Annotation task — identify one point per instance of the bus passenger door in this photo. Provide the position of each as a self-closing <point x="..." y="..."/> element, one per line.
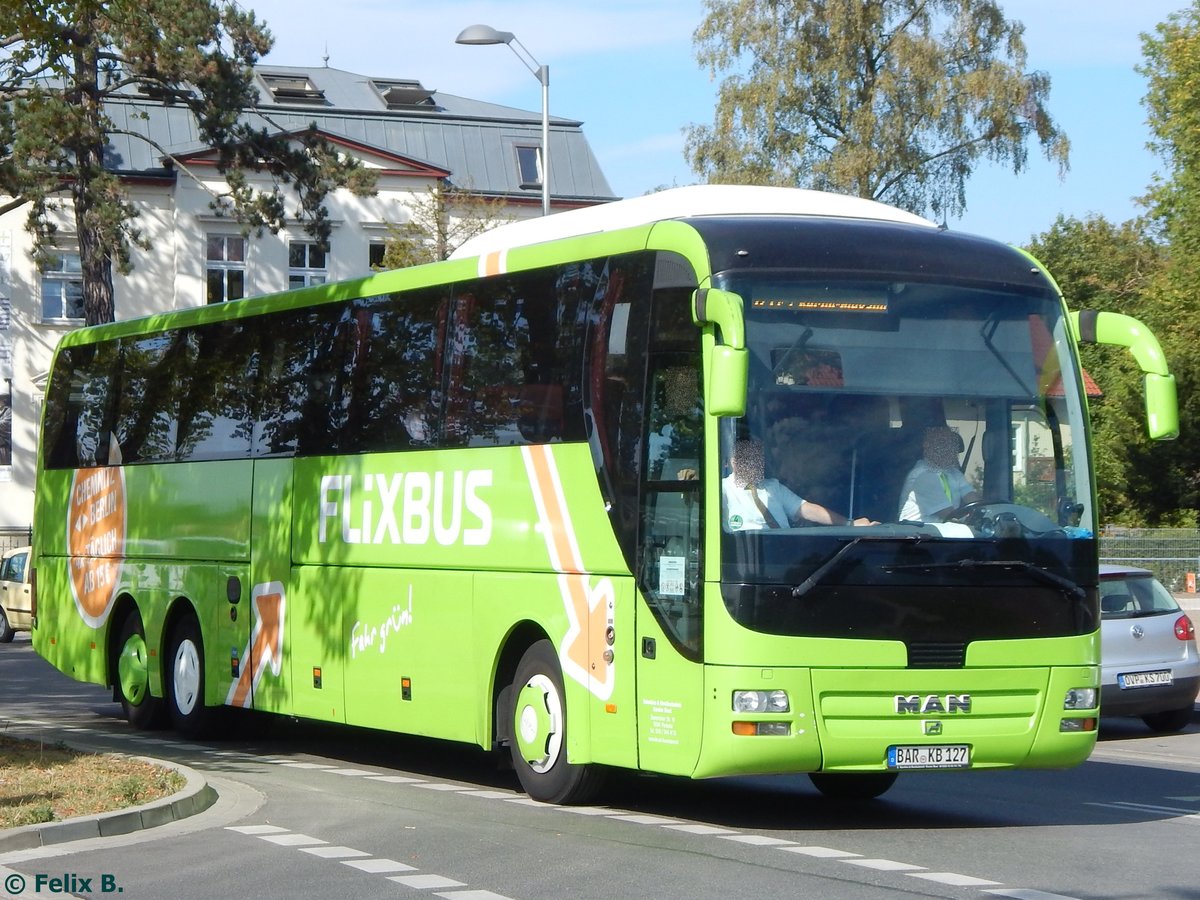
<point x="670" y="676"/>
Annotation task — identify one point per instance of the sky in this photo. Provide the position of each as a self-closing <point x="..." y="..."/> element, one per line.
<point x="627" y="69"/>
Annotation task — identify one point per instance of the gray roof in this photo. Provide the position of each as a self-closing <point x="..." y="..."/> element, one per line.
<point x="472" y="140"/>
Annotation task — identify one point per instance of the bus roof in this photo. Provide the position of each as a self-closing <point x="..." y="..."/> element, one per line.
<point x="679" y="203"/>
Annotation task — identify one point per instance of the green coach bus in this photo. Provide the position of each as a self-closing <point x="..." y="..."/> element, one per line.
<point x="633" y="486"/>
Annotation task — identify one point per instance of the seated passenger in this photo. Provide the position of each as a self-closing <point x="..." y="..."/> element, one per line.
<point x="935" y="487"/>
<point x="755" y="502"/>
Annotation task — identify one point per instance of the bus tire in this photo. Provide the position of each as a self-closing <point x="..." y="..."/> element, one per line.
<point x="6" y="629"/>
<point x="539" y="732"/>
<point x="184" y="684"/>
<point x="852" y="785"/>
<point x="142" y="710"/>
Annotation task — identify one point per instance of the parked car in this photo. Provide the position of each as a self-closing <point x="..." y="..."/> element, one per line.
<point x="15" y="600"/>
<point x="1149" y="666"/>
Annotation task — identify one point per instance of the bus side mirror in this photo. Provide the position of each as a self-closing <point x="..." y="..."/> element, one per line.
<point x="725" y="393"/>
<point x="1162" y="406"/>
<point x="729" y="363"/>
<point x="1162" y="410"/>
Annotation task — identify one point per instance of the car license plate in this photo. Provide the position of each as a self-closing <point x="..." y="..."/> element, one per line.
<point x="1144" y="679"/>
<point x="929" y="756"/>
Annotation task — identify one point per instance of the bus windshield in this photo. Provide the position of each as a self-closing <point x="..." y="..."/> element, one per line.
<point x="905" y="434"/>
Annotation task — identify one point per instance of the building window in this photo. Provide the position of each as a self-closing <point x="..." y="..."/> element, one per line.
<point x="375" y="253"/>
<point x="307" y="264"/>
<point x="62" y="287"/>
<point x="529" y="166"/>
<point x="225" y="267"/>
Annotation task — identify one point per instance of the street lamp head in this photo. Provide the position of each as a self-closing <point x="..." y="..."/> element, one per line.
<point x="482" y="35"/>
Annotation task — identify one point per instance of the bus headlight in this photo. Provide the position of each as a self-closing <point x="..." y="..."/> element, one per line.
<point x="761" y="702"/>
<point x="1080" y="698"/>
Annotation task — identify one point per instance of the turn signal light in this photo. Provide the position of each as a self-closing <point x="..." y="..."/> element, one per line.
<point x="1088" y="724"/>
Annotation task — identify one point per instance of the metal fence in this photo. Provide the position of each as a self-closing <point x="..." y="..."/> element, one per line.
<point x="1170" y="553"/>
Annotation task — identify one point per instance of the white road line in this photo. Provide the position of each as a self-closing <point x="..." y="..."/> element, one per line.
<point x="291" y="839"/>
<point x="644" y="820"/>
<point x="378" y="865"/>
<point x="883" y="865"/>
<point x="255" y="829"/>
<point x="953" y="878"/>
<point x="334" y="852"/>
<point x="395" y="779"/>
<point x="425" y="882"/>
<point x="758" y="840"/>
<point x="350" y="773"/>
<point x="700" y="829"/>
<point x="822" y="852"/>
<point x="1027" y="894"/>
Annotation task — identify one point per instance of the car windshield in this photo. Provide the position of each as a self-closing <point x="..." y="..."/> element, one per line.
<point x="1131" y="596"/>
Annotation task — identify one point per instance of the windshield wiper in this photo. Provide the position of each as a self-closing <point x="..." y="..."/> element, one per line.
<point x="1065" y="584"/>
<point x="819" y="573"/>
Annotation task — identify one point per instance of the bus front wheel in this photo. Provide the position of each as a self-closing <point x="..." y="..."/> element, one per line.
<point x="142" y="710"/>
<point x="185" y="681"/>
<point x="539" y="732"/>
<point x="852" y="785"/>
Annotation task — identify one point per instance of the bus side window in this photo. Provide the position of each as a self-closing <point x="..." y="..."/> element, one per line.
<point x="79" y="419"/>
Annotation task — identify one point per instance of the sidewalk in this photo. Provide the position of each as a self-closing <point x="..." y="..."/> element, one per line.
<point x="197" y="795"/>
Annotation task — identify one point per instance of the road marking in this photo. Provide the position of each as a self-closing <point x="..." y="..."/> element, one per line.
<point x="425" y="882"/>
<point x="334" y="852"/>
<point x="883" y="865"/>
<point x="1026" y="894"/>
<point x="823" y="852"/>
<point x="700" y="829"/>
<point x="643" y="820"/>
<point x="378" y="865"/>
<point x="395" y="779"/>
<point x="291" y="839"/>
<point x="952" y="878"/>
<point x="257" y="829"/>
<point x="758" y="840"/>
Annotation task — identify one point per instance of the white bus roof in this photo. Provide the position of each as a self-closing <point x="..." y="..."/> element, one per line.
<point x="678" y="203"/>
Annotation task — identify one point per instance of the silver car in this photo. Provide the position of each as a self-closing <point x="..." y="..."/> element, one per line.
<point x="1149" y="666"/>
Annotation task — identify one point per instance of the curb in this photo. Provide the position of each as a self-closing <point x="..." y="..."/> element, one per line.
<point x="197" y="795"/>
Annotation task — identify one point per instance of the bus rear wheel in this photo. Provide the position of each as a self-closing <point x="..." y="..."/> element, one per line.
<point x="539" y="732"/>
<point x="142" y="710"/>
<point x="852" y="785"/>
<point x="185" y="681"/>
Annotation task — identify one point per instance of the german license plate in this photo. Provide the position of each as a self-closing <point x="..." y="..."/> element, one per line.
<point x="929" y="756"/>
<point x="1144" y="679"/>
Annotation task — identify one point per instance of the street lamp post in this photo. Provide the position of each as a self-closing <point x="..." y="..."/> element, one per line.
<point x="484" y="34"/>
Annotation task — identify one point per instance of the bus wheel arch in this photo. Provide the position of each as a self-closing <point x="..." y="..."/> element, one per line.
<point x="131" y="666"/>
<point x="537" y="716"/>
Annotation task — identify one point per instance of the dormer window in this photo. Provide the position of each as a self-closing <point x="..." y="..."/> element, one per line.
<point x="405" y="94"/>
<point x="529" y="166"/>
<point x="293" y="89"/>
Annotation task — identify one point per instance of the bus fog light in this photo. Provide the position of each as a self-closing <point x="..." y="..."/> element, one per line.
<point x="1088" y="724"/>
<point x="761" y="701"/>
<point x="1080" y="698"/>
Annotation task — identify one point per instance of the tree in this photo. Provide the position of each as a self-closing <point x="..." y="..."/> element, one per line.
<point x="893" y="100"/>
<point x="59" y="62"/>
<point x="440" y="222"/>
<point x="1121" y="268"/>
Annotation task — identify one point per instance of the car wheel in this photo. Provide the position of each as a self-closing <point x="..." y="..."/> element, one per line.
<point x="142" y="710"/>
<point x="539" y="732"/>
<point x="853" y="785"/>
<point x="1171" y="720"/>
<point x="6" y="630"/>
<point x="185" y="681"/>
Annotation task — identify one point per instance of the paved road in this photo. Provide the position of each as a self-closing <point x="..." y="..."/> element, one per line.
<point x="310" y="811"/>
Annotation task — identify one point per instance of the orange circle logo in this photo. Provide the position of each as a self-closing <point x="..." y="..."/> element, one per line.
<point x="96" y="539"/>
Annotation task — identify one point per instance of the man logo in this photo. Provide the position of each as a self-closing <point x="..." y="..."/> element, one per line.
<point x="932" y="703"/>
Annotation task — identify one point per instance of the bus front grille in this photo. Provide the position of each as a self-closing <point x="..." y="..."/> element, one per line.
<point x="937" y="654"/>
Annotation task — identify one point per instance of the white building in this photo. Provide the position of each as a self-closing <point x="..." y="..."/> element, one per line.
<point x="412" y="136"/>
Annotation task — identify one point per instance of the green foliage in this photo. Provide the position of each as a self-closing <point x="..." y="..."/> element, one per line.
<point x="440" y="222"/>
<point x="1124" y="268"/>
<point x="894" y="100"/>
<point x="63" y="60"/>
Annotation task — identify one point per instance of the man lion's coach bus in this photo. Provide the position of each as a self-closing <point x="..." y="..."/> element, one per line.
<point x="643" y="486"/>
